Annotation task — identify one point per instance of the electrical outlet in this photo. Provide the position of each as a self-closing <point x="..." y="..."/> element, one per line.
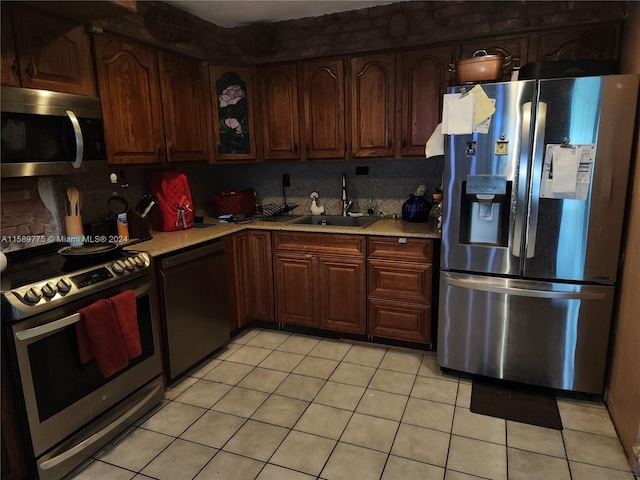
<point x="286" y="180"/>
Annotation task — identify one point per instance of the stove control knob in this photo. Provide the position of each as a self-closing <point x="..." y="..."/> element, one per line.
<point x="118" y="267"/>
<point x="129" y="264"/>
<point x="33" y="296"/>
<point x="49" y="290"/>
<point x="64" y="286"/>
<point x="139" y="261"/>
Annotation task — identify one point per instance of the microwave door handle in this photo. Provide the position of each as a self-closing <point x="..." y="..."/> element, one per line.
<point x="536" y="178"/>
<point x="522" y="179"/>
<point x="79" y="140"/>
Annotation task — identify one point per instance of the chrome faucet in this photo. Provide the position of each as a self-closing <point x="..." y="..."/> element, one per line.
<point x="345" y="205"/>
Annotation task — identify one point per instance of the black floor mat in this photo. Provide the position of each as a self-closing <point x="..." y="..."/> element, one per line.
<point x="515" y="401"/>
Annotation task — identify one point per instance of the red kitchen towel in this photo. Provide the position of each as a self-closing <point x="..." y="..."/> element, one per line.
<point x="126" y="310"/>
<point x="99" y="337"/>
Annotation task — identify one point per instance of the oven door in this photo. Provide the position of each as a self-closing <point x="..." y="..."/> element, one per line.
<point x="62" y="395"/>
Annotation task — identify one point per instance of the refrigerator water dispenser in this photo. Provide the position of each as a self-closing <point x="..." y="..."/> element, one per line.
<point x="484" y="216"/>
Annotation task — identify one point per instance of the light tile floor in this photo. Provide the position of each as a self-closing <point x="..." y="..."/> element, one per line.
<point x="280" y="406"/>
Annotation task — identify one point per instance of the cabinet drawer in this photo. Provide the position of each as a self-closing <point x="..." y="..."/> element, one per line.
<point x="411" y="250"/>
<point x="400" y="321"/>
<point x="334" y="244"/>
<point x="401" y="281"/>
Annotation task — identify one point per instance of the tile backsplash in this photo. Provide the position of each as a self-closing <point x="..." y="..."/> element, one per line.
<point x="388" y="183"/>
<point x="37" y="206"/>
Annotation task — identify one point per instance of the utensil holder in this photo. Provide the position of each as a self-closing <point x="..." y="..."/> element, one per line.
<point x="75" y="230"/>
<point x="138" y="225"/>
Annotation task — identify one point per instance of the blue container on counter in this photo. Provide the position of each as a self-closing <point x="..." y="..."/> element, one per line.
<point x="416" y="209"/>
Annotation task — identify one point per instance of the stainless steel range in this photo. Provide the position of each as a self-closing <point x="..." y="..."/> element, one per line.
<point x="71" y="409"/>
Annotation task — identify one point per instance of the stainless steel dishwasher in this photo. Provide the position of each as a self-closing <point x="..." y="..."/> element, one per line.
<point x="194" y="301"/>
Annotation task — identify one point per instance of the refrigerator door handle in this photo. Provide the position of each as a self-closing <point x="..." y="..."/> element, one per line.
<point x="524" y="292"/>
<point x="536" y="178"/>
<point x="522" y="179"/>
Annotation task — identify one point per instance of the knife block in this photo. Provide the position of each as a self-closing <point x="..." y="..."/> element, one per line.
<point x="138" y="225"/>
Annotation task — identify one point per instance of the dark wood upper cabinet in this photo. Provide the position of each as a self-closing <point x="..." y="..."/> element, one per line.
<point x="424" y="75"/>
<point x="183" y="106"/>
<point x="323" y="92"/>
<point x="232" y="109"/>
<point x="279" y="112"/>
<point x="52" y="53"/>
<point x="153" y="104"/>
<point x="10" y="68"/>
<point x="597" y="43"/>
<point x="130" y="97"/>
<point x="373" y="104"/>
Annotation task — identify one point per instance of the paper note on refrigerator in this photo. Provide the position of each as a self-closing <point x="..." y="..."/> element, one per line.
<point x="484" y="107"/>
<point x="457" y="114"/>
<point x="566" y="171"/>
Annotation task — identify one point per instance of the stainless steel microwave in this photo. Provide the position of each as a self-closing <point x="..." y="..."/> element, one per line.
<point x="49" y="133"/>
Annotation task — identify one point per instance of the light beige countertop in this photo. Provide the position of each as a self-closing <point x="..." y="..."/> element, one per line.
<point x="163" y="243"/>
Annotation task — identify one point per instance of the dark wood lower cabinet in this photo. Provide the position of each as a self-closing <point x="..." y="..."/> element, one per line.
<point x="400" y="276"/>
<point x="239" y="273"/>
<point x="400" y="321"/>
<point x="320" y="281"/>
<point x="342" y="290"/>
<point x="327" y="281"/>
<point x="296" y="288"/>
<point x="250" y="277"/>
<point x="262" y="304"/>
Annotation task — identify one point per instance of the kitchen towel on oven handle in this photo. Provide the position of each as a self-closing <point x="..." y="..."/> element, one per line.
<point x="175" y="205"/>
<point x="108" y="331"/>
<point x="235" y="202"/>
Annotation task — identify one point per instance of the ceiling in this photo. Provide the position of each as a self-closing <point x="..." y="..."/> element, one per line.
<point x="235" y="13"/>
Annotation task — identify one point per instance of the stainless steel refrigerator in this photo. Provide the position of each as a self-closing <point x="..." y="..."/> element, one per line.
<point x="533" y="209"/>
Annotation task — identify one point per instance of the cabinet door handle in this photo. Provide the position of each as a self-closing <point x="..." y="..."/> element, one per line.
<point x="172" y="149"/>
<point x="390" y="144"/>
<point x="307" y="148"/>
<point x="308" y="255"/>
<point x="295" y="147"/>
<point x="30" y="70"/>
<point x="161" y="152"/>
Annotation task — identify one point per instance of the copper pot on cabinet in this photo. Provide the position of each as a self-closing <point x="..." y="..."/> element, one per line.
<point x="481" y="67"/>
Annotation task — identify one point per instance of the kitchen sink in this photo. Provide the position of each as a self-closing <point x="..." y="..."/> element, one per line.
<point x="335" y="221"/>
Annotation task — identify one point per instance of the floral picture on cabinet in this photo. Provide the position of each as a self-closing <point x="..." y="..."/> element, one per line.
<point x="233" y="114"/>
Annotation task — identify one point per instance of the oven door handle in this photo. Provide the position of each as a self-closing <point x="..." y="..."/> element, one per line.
<point x="48" y="327"/>
<point x="63" y="322"/>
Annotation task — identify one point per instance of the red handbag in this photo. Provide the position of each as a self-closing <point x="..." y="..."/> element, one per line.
<point x="175" y="205"/>
<point x="235" y="202"/>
